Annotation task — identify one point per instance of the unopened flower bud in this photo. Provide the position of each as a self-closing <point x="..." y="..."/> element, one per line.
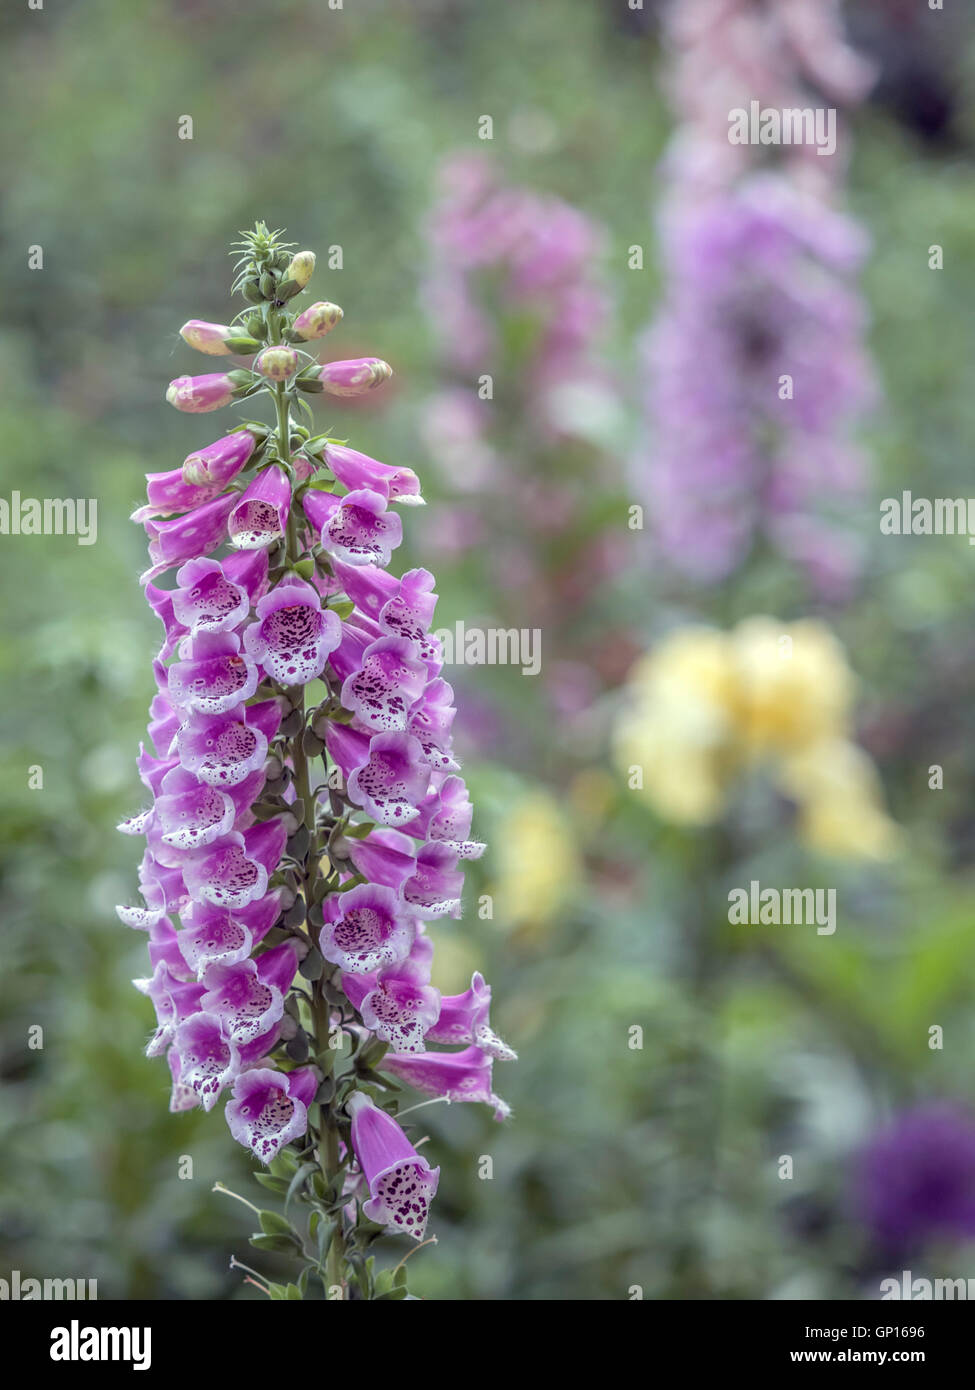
<point x="316" y="321"/>
<point x="218" y="463"/>
<point x="217" y="339"/>
<point x="277" y="363"/>
<point x="354" y="377"/>
<point x="198" y="394"/>
<point x="297" y="275"/>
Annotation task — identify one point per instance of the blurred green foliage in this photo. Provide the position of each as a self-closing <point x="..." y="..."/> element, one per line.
<point x="653" y="1167"/>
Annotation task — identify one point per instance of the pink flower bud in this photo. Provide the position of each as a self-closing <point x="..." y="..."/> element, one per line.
<point x="198" y="394"/>
<point x="277" y="363"/>
<point x="217" y="463"/>
<point x="317" y="320"/>
<point x="354" y="377"/>
<point x="217" y="339"/>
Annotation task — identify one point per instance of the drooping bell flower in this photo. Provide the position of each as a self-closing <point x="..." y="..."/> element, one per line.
<point x="455" y="1076"/>
<point x="174" y="1000"/>
<point x="366" y="929"/>
<point x="207" y="599"/>
<point x="379" y="596"/>
<point x="209" y="1061"/>
<point x="356" y="471"/>
<point x="401" y="1183"/>
<point x="270" y="1108"/>
<point x="445" y="816"/>
<point x="435" y="886"/>
<point x="464" y="1018"/>
<point x="356" y="528"/>
<point x="393" y="779"/>
<point x="387" y="684"/>
<point x="234" y="870"/>
<point x="224" y="749"/>
<point x="249" y="995"/>
<point x="397" y="1004"/>
<point x="185" y="537"/>
<point x="169" y="493"/>
<point x="430" y="722"/>
<point x="260" y="516"/>
<point x="385" y="856"/>
<point x="216" y="936"/>
<point x="214" y="676"/>
<point x="292" y="635"/>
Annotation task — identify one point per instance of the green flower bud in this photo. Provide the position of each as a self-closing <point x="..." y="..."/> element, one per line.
<point x="296" y="277"/>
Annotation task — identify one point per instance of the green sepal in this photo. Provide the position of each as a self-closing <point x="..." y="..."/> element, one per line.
<point x="359" y="831"/>
<point x="297" y="1047"/>
<point x="312" y="965"/>
<point x="295" y="914"/>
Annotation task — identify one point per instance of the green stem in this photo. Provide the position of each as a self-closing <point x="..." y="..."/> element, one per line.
<point x="321" y="1009"/>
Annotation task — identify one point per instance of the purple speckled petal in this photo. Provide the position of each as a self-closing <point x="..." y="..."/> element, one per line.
<point x="267" y="1111"/>
<point x="386" y="687"/>
<point x="393" y="780"/>
<point x="365" y="929"/>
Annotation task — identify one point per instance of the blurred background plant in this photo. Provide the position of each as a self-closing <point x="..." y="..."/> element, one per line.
<point x="668" y="1060"/>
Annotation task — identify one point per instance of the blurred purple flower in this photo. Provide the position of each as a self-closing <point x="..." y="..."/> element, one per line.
<point x="760" y="288"/>
<point x="503" y="251"/>
<point x="916" y="1178"/>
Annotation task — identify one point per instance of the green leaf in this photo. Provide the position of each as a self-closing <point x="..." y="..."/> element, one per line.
<point x="273" y="1224"/>
<point x="325" y="1233"/>
<point x="284" y="1164"/>
<point x="284" y="1245"/>
<point x="297" y="1181"/>
<point x="272" y="1183"/>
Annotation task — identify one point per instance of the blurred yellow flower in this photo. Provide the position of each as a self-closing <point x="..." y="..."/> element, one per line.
<point x="840" y="801"/>
<point x="679" y="722"/>
<point x="792" y="685"/>
<point x="706" y="704"/>
<point x="535" y="863"/>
